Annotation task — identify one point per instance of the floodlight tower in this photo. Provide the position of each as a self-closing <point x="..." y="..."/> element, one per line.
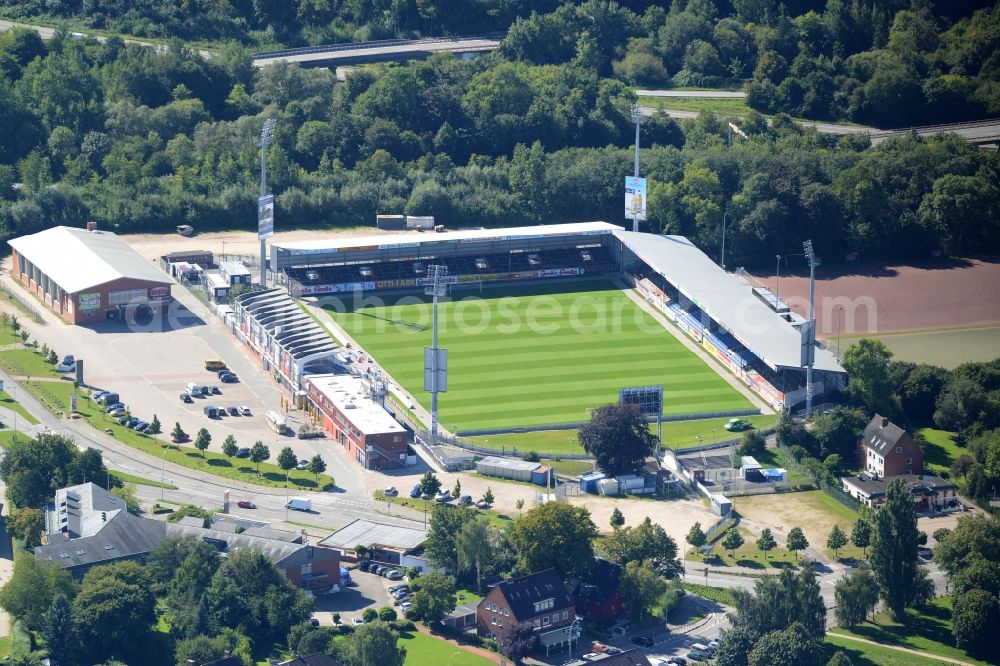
<point x="266" y="134"/>
<point x="637" y="119"/>
<point x="809" y="333"/>
<point x="435" y="358"/>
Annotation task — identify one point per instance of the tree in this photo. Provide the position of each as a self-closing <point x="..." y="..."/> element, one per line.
<point x="185" y="595"/>
<point x="856" y="596"/>
<point x="554" y="535"/>
<point x="287" y="459"/>
<point x="202" y="440"/>
<point x="861" y="534"/>
<point x="618" y="437"/>
<point x="31" y="589"/>
<point x="27" y="525"/>
<point x="119" y="606"/>
<point x="386" y="614"/>
<point x="474" y="549"/>
<point x="617" y="518"/>
<point x="974" y="622"/>
<point x="519" y="504"/>
<point x="641" y="588"/>
<point x="59" y="630"/>
<point x="867" y="365"/>
<point x="128" y="495"/>
<point x="752" y="443"/>
<point x="369" y="614"/>
<point x="259" y="453"/>
<point x="839" y="659"/>
<point x="765" y="541"/>
<point x="732" y="540"/>
<point x="430" y="484"/>
<point x="316" y="466"/>
<point x="836" y="540"/>
<point x="695" y="536"/>
<point x="373" y="644"/>
<point x="894" y="548"/>
<point x="446" y="522"/>
<point x="433" y="598"/>
<point x="155" y="427"/>
<point x="796" y="541"/>
<point x="178" y="434"/>
<point x="32" y="469"/>
<point x="788" y="647"/>
<point x="488" y="496"/>
<point x="647" y="541"/>
<point x="229" y="446"/>
<point x="940" y="534"/>
<point x="518" y="641"/>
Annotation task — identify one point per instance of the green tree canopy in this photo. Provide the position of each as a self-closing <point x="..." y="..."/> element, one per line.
<point x="618" y="437"/>
<point x="894" y="548"/>
<point x="554" y="535"/>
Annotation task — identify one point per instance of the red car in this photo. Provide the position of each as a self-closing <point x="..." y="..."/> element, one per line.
<point x="178" y="440"/>
<point x="246" y="504"/>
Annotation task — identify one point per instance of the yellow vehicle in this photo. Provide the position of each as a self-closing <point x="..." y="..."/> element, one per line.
<point x="215" y="364"/>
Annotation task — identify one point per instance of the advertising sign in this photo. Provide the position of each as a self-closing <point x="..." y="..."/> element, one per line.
<point x="159" y="293"/>
<point x="265" y="217"/>
<point x="635" y="198"/>
<point x="448" y="279"/>
<point x="90" y="301"/>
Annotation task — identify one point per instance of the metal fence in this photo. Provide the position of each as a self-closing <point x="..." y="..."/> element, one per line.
<point x="666" y="418"/>
<point x="26" y="305"/>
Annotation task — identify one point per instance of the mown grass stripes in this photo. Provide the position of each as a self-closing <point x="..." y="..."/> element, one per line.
<point x="536" y="354"/>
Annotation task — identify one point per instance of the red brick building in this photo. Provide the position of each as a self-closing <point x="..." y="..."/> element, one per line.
<point x="888" y="450"/>
<point x="88" y="276"/>
<point x="597" y="593"/>
<point x="362" y="426"/>
<point x="540" y="599"/>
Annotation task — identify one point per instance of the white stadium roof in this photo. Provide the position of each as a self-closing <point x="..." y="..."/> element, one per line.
<point x="408" y="239"/>
<point x="77" y="259"/>
<point x="725" y="298"/>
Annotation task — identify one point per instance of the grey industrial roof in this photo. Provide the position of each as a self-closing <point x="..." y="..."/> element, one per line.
<point x="122" y="536"/>
<point x="233" y="268"/>
<point x="725" y="298"/>
<point x="77" y="259"/>
<point x="882" y="438"/>
<point x="373" y="534"/>
<point x="274" y="308"/>
<point x="508" y="463"/>
<point x="915" y="483"/>
<point x="83" y="510"/>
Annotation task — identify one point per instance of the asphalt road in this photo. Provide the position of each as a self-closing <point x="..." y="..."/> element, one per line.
<point x="703" y="94"/>
<point x="345" y="56"/>
<point x="48" y="33"/>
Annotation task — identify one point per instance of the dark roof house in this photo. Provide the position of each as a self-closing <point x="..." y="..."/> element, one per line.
<point x="596" y="593"/>
<point x="540" y="599"/>
<point x="888" y="450"/>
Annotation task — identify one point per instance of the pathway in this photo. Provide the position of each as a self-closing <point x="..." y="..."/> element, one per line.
<point x="926" y="655"/>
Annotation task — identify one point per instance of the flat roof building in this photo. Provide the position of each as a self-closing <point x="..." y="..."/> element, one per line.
<point x="392" y="544"/>
<point x="362" y="426"/>
<point x="88" y="276"/>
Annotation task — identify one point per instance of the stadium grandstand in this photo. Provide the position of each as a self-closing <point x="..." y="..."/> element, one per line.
<point x="719" y="311"/>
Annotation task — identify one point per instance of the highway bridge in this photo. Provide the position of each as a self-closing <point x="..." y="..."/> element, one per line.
<point x="385" y="50"/>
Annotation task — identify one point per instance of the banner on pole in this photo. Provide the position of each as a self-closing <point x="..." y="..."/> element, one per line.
<point x="635" y="198"/>
<point x="265" y="217"/>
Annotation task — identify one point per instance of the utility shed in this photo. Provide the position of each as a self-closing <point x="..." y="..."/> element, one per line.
<point x="507" y="468"/>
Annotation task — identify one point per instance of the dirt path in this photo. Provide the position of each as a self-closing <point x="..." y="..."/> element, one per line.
<point x="926" y="655"/>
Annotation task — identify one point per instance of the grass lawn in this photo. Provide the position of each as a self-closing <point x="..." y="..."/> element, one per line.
<point x="569" y="467"/>
<point x="776" y="458"/>
<point x="466" y="596"/>
<point x="537" y="354"/>
<point x="720" y="595"/>
<point x="15" y="406"/>
<point x="7" y="435"/>
<point x="927" y="630"/>
<point x="748" y="555"/>
<point x="125" y="477"/>
<point x="863" y="654"/>
<point x="26" y="363"/>
<point x="676" y="435"/>
<point x="940" y="449"/>
<point x="422" y="650"/>
<point x="947" y="348"/>
<point x="812" y="510"/>
<point x="723" y="106"/>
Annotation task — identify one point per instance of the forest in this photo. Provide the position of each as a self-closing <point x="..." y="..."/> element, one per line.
<point x="143" y="140"/>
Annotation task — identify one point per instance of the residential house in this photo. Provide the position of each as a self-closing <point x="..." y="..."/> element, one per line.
<point x="596" y="593"/>
<point x="318" y="659"/>
<point x="888" y="450"/>
<point x="930" y="493"/>
<point x="540" y="599"/>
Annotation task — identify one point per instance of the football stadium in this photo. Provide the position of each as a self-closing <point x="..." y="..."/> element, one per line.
<point x="539" y="327"/>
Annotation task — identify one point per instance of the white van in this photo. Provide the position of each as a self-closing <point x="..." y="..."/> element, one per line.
<point x="276" y="422"/>
<point x="195" y="389"/>
<point x="299" y="504"/>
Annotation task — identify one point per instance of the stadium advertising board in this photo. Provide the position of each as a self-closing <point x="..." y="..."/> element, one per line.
<point x="395" y="284"/>
<point x="720" y="355"/>
<point x="91" y="301"/>
<point x="635" y="198"/>
<point x="265" y="217"/>
<point x="159" y="293"/>
<point x="334" y="288"/>
<point x="448" y="279"/>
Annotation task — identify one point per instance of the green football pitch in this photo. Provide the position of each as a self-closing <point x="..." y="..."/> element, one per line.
<point x="538" y="354"/>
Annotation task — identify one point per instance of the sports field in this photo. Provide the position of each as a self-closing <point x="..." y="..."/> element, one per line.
<point x="947" y="348"/>
<point x="536" y="354"/>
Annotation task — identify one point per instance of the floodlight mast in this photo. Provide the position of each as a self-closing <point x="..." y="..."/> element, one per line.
<point x="435" y="358"/>
<point x="266" y="134"/>
<point x="637" y="119"/>
<point x="810" y="341"/>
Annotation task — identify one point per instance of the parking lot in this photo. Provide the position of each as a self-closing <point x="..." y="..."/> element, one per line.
<point x="369" y="590"/>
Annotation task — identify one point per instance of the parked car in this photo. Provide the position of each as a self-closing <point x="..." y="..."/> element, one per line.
<point x="395" y="574"/>
<point x="232" y="410"/>
<point x="211" y="412"/>
<point x="677" y="661"/>
<point x="393" y="589"/>
<point x="443" y="496"/>
<point x="390" y="491"/>
<point x="699" y="655"/>
<point x="68" y="365"/>
<point x="214" y="390"/>
<point x="108" y="398"/>
<point x="302" y="464"/>
<point x="243" y="452"/>
<point x="183" y="438"/>
<point x="215" y="365"/>
<point x="314" y="621"/>
<point x="406" y="606"/>
<point x="465" y="500"/>
<point x="245" y="411"/>
<point x="140" y="426"/>
<point x="246" y="504"/>
<point x="223" y="371"/>
<point x="113" y="406"/>
<point x="644" y="641"/>
<point x="735" y="425"/>
<point x="186" y="398"/>
<point x="229" y="378"/>
<point x="415" y="491"/>
<point x="378" y="569"/>
<point x="592" y="656"/>
<point x="358" y="621"/>
<point x="482" y="504"/>
<point x="123" y="419"/>
<point x="715" y="643"/>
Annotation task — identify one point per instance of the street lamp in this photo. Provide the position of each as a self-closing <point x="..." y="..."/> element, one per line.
<point x="777" y="276"/>
<point x="163" y="471"/>
<point x="722" y="260"/>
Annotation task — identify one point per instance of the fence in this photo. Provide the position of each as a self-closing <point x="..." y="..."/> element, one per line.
<point x="722" y="525"/>
<point x="842" y="497"/>
<point x="666" y="418"/>
<point x="21" y="302"/>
